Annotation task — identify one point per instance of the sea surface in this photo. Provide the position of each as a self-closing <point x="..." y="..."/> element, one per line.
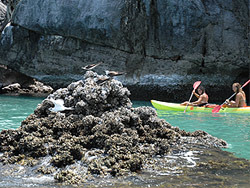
<point x="233" y="128"/>
<point x="14" y="109"/>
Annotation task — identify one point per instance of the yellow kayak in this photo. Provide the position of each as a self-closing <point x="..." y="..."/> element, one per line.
<point x="208" y="108"/>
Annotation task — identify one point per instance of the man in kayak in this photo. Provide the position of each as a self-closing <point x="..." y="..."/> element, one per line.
<point x="202" y="98"/>
<point x="240" y="97"/>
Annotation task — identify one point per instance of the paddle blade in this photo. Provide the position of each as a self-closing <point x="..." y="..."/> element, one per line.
<point x="216" y="109"/>
<point x="196" y="84"/>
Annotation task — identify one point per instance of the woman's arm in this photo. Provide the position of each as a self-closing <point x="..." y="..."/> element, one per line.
<point x="198" y="96"/>
<point x="198" y="101"/>
<point x="236" y="102"/>
<point x="238" y="97"/>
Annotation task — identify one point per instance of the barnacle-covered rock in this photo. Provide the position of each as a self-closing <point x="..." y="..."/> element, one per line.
<point x="88" y="97"/>
<point x="43" y="108"/>
<point x="102" y="134"/>
<point x="68" y="176"/>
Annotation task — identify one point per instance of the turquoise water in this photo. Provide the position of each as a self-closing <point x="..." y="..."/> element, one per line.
<point x="14" y="109"/>
<point x="233" y="128"/>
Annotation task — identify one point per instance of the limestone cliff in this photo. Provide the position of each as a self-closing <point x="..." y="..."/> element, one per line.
<point x="2" y="14"/>
<point x="163" y="45"/>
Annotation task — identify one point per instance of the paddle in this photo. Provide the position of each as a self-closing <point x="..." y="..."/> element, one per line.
<point x="217" y="108"/>
<point x="196" y="84"/>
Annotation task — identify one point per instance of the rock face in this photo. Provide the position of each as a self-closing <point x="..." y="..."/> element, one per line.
<point x="163" y="45"/>
<point x="5" y="1"/>
<point x="102" y="134"/>
<point x="3" y="9"/>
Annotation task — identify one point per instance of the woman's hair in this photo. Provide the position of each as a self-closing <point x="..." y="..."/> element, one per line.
<point x="238" y="87"/>
<point x="202" y="89"/>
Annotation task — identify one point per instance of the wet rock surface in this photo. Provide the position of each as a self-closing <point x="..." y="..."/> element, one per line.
<point x="101" y="136"/>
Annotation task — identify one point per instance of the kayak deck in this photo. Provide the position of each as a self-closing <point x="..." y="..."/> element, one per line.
<point x="178" y="107"/>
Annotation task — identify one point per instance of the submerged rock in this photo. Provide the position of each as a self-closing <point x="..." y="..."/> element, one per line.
<point x="103" y="133"/>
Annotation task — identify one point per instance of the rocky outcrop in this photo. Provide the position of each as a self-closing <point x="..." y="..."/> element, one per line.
<point x="101" y="136"/>
<point x="35" y="89"/>
<point x="12" y="82"/>
<point x="163" y="45"/>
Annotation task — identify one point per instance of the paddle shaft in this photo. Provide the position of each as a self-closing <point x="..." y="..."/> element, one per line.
<point x="189" y="102"/>
<point x="235" y="93"/>
<point x="217" y="109"/>
<point x="228" y="99"/>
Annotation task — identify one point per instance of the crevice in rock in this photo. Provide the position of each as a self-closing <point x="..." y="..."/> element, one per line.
<point x="134" y="26"/>
<point x="203" y="51"/>
<point x="154" y="22"/>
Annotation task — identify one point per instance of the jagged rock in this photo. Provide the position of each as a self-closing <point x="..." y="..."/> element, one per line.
<point x="36" y="88"/>
<point x="39" y="87"/>
<point x="103" y="134"/>
<point x="43" y="108"/>
<point x="12" y="88"/>
<point x="18" y="83"/>
<point x="4" y="18"/>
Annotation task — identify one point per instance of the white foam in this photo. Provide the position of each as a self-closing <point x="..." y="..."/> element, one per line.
<point x="40" y="179"/>
<point x="189" y="156"/>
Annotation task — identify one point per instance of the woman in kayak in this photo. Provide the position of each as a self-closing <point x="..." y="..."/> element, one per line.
<point x="202" y="98"/>
<point x="240" y="98"/>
